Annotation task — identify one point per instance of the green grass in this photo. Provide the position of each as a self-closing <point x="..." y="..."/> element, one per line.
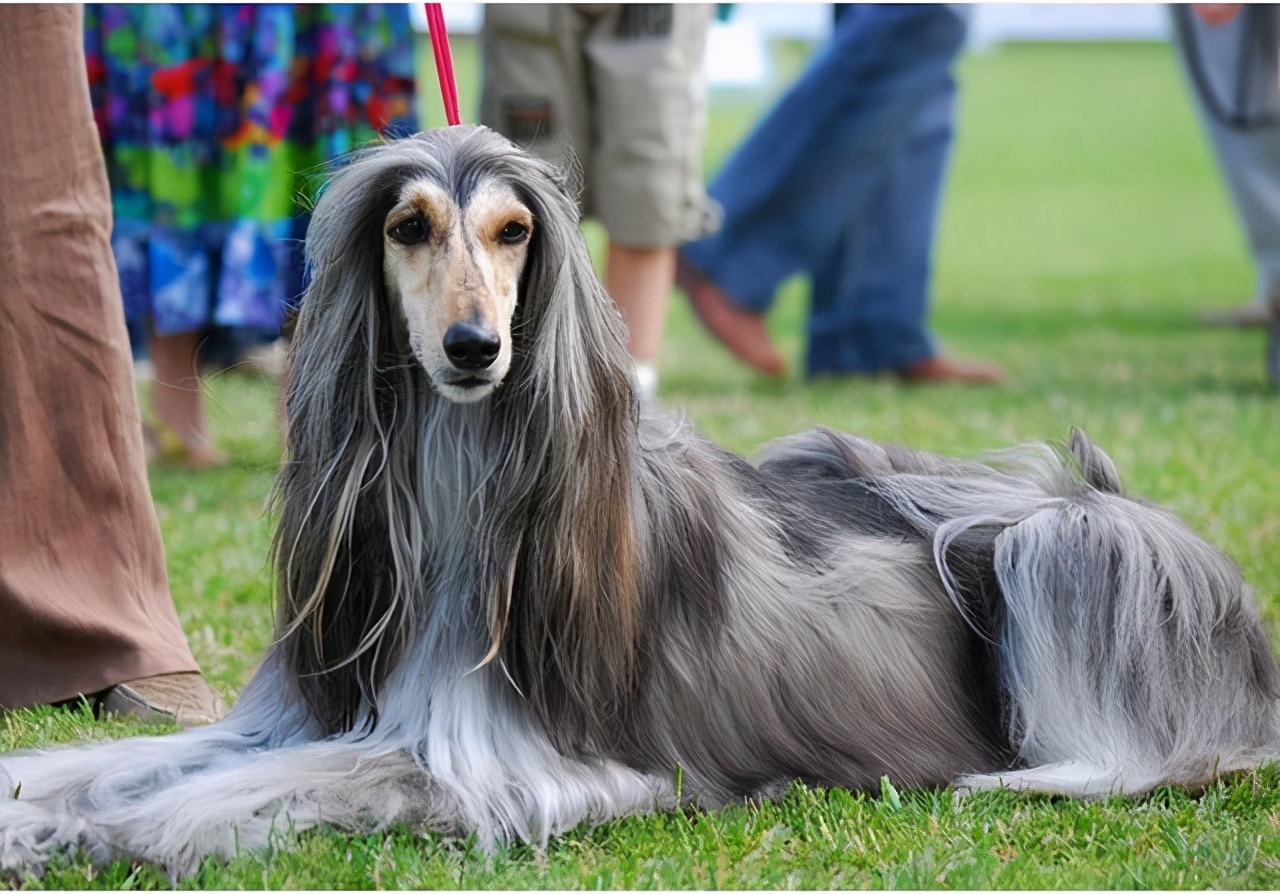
<point x="1084" y="226"/>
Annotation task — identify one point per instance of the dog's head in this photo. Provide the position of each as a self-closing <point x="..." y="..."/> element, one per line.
<point x="471" y="242"/>
<point x="453" y="262"/>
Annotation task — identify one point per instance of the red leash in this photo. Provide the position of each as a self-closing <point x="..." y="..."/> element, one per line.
<point x="444" y="62"/>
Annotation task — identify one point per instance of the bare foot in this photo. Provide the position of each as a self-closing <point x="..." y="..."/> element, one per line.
<point x="179" y="428"/>
<point x="163" y="445"/>
<point x="741" y="331"/>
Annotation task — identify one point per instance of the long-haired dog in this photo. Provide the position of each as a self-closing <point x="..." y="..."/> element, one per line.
<point x="512" y="599"/>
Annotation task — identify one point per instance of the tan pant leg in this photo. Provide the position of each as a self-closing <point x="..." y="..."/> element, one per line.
<point x="649" y="116"/>
<point x="84" y="597"/>
<point x="534" y="91"/>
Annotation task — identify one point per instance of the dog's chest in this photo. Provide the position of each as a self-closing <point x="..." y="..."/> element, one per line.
<point x="455" y="469"/>
<point x="472" y="735"/>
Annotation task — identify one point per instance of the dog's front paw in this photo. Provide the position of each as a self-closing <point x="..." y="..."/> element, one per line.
<point x="31" y="834"/>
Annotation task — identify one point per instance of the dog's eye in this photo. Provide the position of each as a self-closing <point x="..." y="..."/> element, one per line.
<point x="513" y="233"/>
<point x="410" y="232"/>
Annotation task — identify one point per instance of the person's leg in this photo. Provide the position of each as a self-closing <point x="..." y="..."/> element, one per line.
<point x="813" y="165"/>
<point x="84" y="598"/>
<point x="535" y="93"/>
<point x="533" y="90"/>
<point x="648" y="113"/>
<point x="1248" y="158"/>
<point x="870" y="301"/>
<point x="639" y="280"/>
<point x="178" y="403"/>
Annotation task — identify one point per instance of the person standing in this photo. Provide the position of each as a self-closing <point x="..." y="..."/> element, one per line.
<point x="842" y="180"/>
<point x="85" y="606"/>
<point x="215" y="121"/>
<point x="1231" y="57"/>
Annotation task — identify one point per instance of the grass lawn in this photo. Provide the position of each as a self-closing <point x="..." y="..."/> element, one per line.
<point x="1084" y="227"/>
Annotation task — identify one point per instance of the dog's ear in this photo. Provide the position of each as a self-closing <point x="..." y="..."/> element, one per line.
<point x="568" y="329"/>
<point x="568" y="627"/>
<point x="1098" y="469"/>
<point x="342" y="562"/>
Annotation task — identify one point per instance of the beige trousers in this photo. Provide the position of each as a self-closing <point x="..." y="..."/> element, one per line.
<point x="620" y="86"/>
<point x="84" y="597"/>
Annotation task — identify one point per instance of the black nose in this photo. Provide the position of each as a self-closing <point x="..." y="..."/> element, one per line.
<point x="469" y="346"/>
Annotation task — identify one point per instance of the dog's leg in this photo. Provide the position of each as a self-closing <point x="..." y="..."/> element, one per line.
<point x="267" y="715"/>
<point x="31" y="833"/>
<point x="354" y="785"/>
<point x="1086" y="779"/>
<point x="46" y="797"/>
<point x="137" y="765"/>
<point x="350" y="785"/>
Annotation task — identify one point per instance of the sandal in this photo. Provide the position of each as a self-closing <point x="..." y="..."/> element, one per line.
<point x="163" y="445"/>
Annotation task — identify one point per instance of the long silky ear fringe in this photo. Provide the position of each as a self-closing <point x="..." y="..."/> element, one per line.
<point x="499" y="611"/>
<point x="346" y="556"/>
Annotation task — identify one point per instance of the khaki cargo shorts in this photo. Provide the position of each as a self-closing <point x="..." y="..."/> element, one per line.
<point x="620" y="87"/>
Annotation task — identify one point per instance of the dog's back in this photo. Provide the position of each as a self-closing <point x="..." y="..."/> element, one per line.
<point x="799" y="631"/>
<point x="1117" y="649"/>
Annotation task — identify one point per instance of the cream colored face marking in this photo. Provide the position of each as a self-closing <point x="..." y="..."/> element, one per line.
<point x="445" y="265"/>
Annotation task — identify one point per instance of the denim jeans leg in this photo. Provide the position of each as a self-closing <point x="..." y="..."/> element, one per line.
<point x="833" y="343"/>
<point x="871" y="296"/>
<point x="811" y="164"/>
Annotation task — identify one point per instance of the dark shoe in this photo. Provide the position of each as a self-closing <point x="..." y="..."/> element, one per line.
<point x="185" y="699"/>
<point x="949" y="369"/>
<point x="1247" y="317"/>
<point x="741" y="331"/>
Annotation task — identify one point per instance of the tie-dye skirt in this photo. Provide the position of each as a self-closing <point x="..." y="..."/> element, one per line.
<point x="217" y="123"/>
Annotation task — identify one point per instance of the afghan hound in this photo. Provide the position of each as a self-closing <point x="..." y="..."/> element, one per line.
<point x="512" y="598"/>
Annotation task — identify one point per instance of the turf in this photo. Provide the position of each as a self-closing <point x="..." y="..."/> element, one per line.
<point x="1084" y="227"/>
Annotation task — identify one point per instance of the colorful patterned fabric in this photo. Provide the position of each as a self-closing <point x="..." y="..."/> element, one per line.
<point x="217" y="122"/>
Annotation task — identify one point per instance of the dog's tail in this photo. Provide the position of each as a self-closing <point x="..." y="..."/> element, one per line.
<point x="1131" y="651"/>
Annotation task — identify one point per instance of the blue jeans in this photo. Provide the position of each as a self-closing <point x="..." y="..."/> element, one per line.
<point x="841" y="180"/>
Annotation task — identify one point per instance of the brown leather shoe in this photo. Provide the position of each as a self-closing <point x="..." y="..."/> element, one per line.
<point x="184" y="698"/>
<point x="741" y="331"/>
<point x="950" y="369"/>
<point x="1246" y="317"/>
